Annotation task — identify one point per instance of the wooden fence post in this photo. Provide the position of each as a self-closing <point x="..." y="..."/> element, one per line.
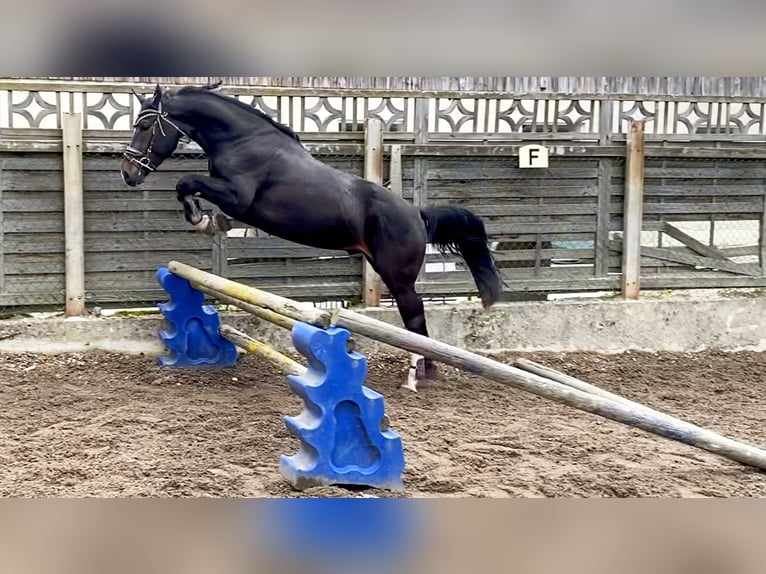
<point x="2" y="231"/>
<point x="633" y="212"/>
<point x="762" y="238"/>
<point x="74" y="226"/>
<point x="395" y="169"/>
<point x="603" y="216"/>
<point x="373" y="171"/>
<point x="420" y="165"/>
<point x="605" y="121"/>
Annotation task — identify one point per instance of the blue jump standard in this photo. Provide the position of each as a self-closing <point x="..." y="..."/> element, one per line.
<point x="192" y="338"/>
<point x="341" y="441"/>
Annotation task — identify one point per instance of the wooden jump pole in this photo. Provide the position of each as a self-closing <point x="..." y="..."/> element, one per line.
<point x="260" y="312"/>
<point x="255" y="347"/>
<point x="637" y="416"/>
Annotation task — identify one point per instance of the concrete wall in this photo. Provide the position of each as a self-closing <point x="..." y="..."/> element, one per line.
<point x="598" y="325"/>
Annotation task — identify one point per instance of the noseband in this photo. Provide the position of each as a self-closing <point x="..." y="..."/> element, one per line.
<point x="141" y="158"/>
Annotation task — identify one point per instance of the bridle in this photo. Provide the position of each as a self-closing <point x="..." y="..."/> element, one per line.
<point x="141" y="158"/>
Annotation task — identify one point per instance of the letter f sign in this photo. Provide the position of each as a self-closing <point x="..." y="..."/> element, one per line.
<point x="533" y="155"/>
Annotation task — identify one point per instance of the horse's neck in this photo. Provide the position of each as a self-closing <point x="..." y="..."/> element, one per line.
<point x="205" y="123"/>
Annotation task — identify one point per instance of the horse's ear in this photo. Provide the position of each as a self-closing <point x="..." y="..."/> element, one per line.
<point x="157" y="94"/>
<point x="213" y="87"/>
<point x="141" y="99"/>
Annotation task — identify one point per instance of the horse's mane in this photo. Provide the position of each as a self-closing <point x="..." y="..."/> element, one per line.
<point x="206" y="90"/>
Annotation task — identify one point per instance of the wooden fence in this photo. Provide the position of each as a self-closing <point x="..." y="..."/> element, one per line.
<point x="701" y="222"/>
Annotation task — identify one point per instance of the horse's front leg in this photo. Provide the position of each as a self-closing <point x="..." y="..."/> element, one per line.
<point x="188" y="188"/>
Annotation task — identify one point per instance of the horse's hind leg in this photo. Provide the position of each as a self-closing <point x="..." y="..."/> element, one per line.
<point x="400" y="280"/>
<point x="395" y="245"/>
<point x="413" y="315"/>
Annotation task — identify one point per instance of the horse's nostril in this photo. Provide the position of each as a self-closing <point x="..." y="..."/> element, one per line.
<point x="129" y="177"/>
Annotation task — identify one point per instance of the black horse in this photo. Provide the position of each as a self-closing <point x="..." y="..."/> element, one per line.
<point x="261" y="175"/>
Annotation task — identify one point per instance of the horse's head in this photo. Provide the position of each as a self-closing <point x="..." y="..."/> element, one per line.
<point x="155" y="138"/>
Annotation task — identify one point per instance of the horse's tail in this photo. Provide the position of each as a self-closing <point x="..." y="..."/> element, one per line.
<point x="459" y="231"/>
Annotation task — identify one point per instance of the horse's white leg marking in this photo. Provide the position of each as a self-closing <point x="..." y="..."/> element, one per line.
<point x="204" y="223"/>
<point x="412" y="381"/>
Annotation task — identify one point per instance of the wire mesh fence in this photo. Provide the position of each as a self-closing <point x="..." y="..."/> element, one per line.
<point x="31" y="232"/>
<point x="704" y="215"/>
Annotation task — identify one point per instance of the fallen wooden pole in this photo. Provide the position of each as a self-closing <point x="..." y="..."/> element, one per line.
<point x="636" y="416"/>
<point x="570" y="381"/>
<point x="560" y="377"/>
<point x="255" y="347"/>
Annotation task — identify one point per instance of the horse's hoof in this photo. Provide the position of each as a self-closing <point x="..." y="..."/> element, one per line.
<point x="412" y="381"/>
<point x="421" y="368"/>
<point x="213" y="224"/>
<point x="222" y="223"/>
<point x="206" y="225"/>
<point x="426" y="370"/>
